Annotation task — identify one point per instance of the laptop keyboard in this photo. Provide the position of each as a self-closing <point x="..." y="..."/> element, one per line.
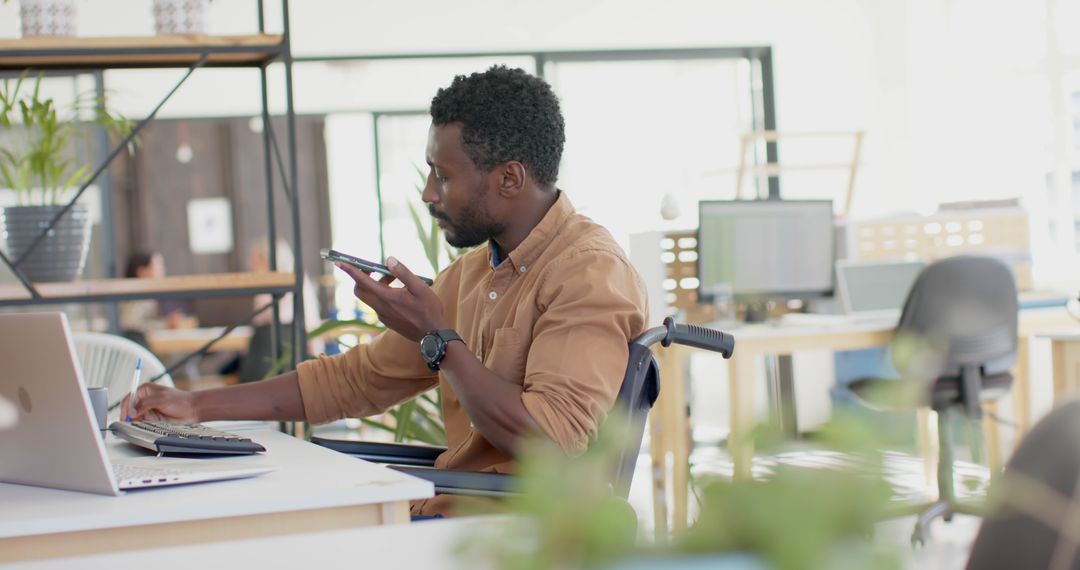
<point x="126" y="471"/>
<point x="185" y="439"/>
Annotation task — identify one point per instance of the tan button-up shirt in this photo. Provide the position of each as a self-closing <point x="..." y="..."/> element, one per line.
<point x="555" y="316"/>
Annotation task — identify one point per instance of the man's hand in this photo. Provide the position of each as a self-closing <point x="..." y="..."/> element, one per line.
<point x="411" y="311"/>
<point x="160" y="403"/>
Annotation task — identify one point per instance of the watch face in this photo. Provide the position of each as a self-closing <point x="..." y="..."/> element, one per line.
<point x="429" y="346"/>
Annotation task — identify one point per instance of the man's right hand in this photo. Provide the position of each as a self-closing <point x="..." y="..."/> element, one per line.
<point x="161" y="403"/>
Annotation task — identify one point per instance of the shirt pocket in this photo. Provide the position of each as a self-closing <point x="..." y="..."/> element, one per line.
<point x="507" y="355"/>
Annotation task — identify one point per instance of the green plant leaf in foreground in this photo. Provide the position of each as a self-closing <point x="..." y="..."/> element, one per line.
<point x="797" y="519"/>
<point x="801" y="517"/>
<point x="565" y="513"/>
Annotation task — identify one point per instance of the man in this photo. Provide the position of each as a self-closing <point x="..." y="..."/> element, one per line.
<point x="527" y="336"/>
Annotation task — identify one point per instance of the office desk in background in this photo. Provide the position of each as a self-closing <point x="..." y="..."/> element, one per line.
<point x="671" y="425"/>
<point x="314" y="489"/>
<point x="183" y="341"/>
<point x="1065" y="354"/>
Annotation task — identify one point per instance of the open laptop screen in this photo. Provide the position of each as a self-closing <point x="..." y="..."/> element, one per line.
<point x="876" y="286"/>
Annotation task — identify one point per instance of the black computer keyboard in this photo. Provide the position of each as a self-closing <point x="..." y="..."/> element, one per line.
<point x="188" y="439"/>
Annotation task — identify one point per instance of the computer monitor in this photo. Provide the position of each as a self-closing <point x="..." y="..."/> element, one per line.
<point x="765" y="249"/>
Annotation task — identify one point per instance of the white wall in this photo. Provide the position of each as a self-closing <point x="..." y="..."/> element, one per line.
<point x="938" y="86"/>
<point x="826" y="54"/>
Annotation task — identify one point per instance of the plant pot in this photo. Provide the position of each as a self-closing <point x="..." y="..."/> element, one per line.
<point x="180" y="17"/>
<point x="47" y="17"/>
<point x="61" y="255"/>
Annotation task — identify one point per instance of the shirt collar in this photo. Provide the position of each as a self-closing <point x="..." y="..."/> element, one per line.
<point x="534" y="244"/>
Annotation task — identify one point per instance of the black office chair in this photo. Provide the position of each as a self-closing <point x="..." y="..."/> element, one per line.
<point x="956" y="341"/>
<point x="1032" y="524"/>
<point x="639" y="390"/>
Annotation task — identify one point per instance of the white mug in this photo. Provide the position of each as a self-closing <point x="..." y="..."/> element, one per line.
<point x="99" y="402"/>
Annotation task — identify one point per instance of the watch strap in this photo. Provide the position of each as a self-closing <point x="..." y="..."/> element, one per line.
<point x="447" y="335"/>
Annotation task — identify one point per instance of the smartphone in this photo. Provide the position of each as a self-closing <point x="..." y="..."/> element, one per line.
<point x="369" y="266"/>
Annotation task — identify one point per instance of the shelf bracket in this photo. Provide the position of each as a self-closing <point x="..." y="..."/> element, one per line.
<point x="280" y="162"/>
<point x="129" y="139"/>
<point x="19" y="275"/>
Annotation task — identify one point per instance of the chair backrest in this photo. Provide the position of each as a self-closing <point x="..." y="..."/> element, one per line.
<point x="1035" y="500"/>
<point x="639" y="390"/>
<point x="641" y="387"/>
<point x="109" y="361"/>
<point x="969" y="304"/>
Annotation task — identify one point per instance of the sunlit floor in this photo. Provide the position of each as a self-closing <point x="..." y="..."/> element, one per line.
<point x="949" y="543"/>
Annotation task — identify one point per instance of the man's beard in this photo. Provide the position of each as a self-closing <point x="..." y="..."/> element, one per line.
<point x="471" y="230"/>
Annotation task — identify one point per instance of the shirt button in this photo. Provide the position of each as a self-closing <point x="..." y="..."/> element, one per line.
<point x="521" y="269"/>
<point x="493" y="295"/>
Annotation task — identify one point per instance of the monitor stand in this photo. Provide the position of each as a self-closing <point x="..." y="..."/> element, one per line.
<point x="756" y="312"/>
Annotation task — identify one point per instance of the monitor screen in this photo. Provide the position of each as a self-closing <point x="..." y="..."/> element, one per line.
<point x="766" y="248"/>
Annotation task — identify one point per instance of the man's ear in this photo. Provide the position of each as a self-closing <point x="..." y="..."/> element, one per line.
<point x="511" y="179"/>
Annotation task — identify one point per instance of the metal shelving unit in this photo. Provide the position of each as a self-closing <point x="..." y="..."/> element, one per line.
<point x="175" y="287"/>
<point x="74" y="53"/>
<point x="93" y="55"/>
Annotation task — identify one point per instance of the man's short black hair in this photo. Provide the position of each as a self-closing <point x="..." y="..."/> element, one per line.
<point x="506" y="114"/>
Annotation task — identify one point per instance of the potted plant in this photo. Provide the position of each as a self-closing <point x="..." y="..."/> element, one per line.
<point x="37" y="162"/>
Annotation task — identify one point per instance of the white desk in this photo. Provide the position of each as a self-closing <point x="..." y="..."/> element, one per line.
<point x="426" y="545"/>
<point x="434" y="544"/>
<point x="314" y="489"/>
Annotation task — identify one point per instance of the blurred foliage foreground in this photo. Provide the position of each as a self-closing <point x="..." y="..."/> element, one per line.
<point x="797" y="518"/>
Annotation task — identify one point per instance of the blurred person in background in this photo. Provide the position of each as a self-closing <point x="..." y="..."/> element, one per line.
<point x="139" y="317"/>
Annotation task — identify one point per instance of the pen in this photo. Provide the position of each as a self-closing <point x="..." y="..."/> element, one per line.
<point x="134" y="387"/>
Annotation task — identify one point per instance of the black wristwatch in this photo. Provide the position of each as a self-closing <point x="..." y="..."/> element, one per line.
<point x="433" y="346"/>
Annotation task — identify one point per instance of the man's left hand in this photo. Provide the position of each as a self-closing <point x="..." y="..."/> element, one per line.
<point x="411" y="311"/>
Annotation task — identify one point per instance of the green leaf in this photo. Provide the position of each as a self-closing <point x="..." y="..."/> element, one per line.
<point x="77" y="178"/>
<point x="403" y="414"/>
<point x="6" y="177"/>
<point x="377" y="425"/>
<point x="421" y="233"/>
<point x="334" y="325"/>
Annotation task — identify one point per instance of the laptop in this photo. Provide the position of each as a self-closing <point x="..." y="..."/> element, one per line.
<point x="875" y="290"/>
<point x="55" y="440"/>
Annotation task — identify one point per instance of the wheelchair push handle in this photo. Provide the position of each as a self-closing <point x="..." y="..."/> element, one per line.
<point x="698" y="337"/>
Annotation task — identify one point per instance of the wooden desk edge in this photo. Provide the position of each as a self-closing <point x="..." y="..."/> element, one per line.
<point x="119" y="539"/>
